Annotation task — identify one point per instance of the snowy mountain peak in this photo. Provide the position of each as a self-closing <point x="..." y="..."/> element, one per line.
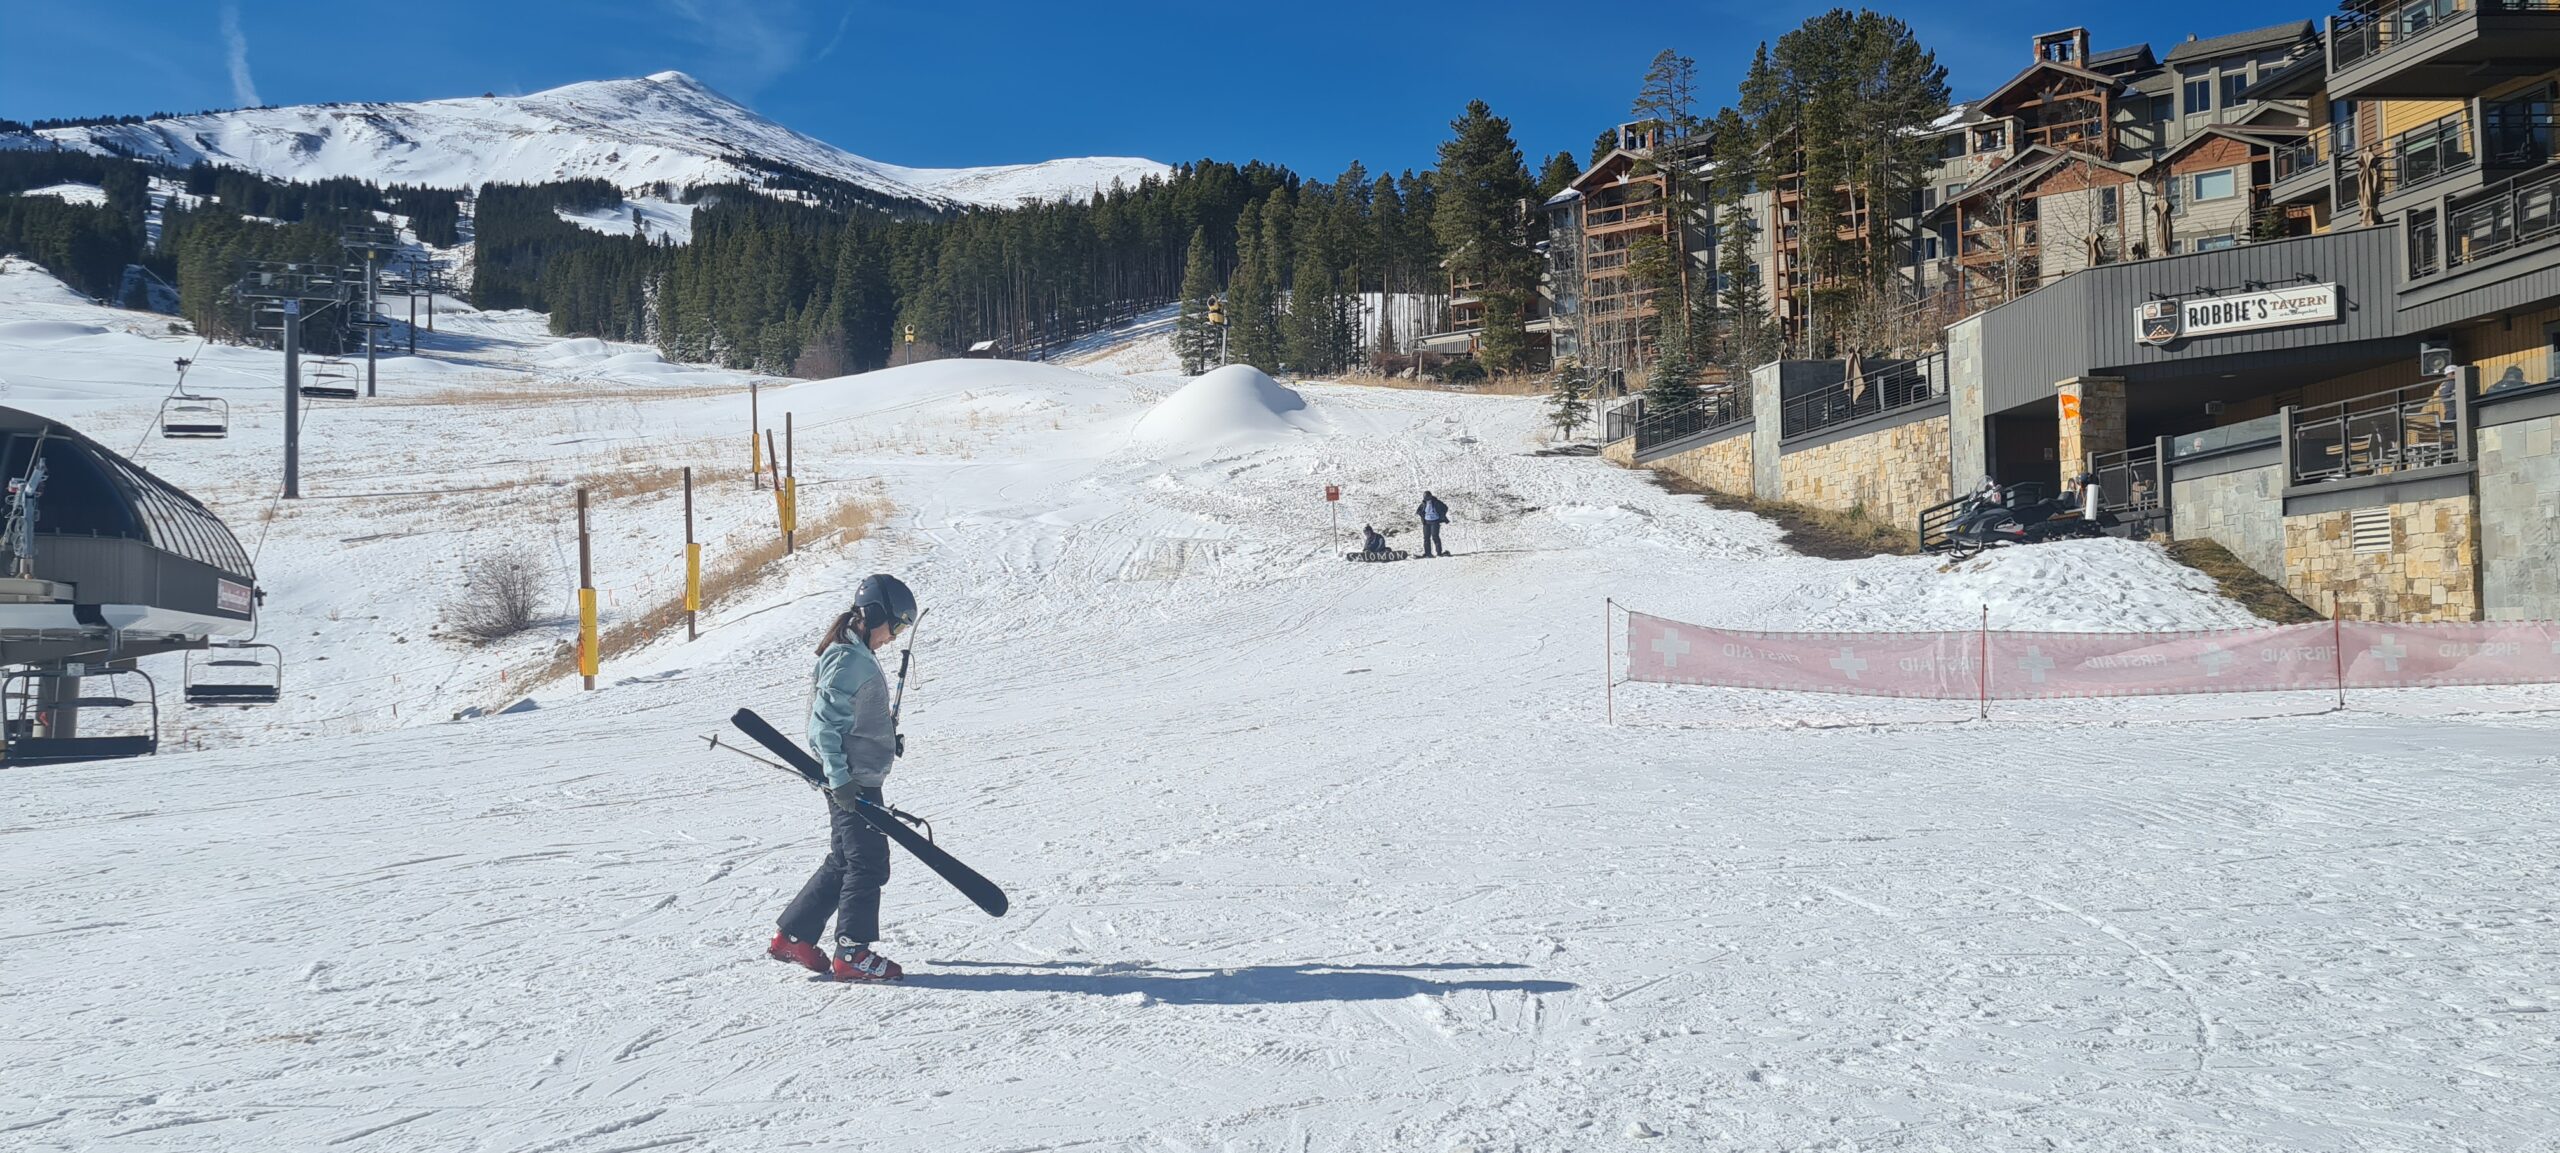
<point x="666" y="128"/>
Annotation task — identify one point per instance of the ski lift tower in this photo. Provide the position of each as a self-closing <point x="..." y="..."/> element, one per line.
<point x="375" y="244"/>
<point x="419" y="275"/>
<point x="290" y="288"/>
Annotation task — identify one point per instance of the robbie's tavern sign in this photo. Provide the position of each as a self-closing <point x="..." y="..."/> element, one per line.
<point x="2169" y="321"/>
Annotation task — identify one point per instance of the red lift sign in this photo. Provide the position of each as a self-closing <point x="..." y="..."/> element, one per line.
<point x="1333" y="492"/>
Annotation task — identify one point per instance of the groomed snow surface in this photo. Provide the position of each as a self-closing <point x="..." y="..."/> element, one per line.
<point x="1303" y="854"/>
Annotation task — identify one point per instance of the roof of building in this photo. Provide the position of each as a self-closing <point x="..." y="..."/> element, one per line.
<point x="2100" y="79"/>
<point x="2129" y="56"/>
<point x="2253" y="40"/>
<point x="2295" y="79"/>
<point x="2254" y="136"/>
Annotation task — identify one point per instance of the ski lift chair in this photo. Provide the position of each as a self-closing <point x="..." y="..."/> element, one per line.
<point x="20" y="692"/>
<point x="262" y="684"/>
<point x="184" y="417"/>
<point x="331" y="379"/>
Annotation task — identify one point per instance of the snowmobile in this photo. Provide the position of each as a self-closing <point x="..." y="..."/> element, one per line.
<point x="2020" y="514"/>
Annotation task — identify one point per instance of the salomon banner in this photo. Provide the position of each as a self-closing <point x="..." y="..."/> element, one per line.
<point x="2015" y="666"/>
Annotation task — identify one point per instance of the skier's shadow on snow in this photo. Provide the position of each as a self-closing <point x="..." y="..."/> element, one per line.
<point x="1246" y="985"/>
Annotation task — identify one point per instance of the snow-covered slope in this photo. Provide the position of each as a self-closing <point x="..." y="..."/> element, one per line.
<point x="666" y="128"/>
<point x="1304" y="854"/>
<point x="1070" y="179"/>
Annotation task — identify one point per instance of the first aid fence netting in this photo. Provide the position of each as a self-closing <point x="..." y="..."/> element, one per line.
<point x="1988" y="665"/>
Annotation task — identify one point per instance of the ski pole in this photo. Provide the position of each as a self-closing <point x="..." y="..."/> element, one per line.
<point x="901" y="814"/>
<point x="906" y="656"/>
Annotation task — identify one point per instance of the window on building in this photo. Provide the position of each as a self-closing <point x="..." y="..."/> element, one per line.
<point x="2233" y="83"/>
<point x="2425" y="247"/>
<point x="2342" y="126"/>
<point x="1953" y="191"/>
<point x="2220" y="184"/>
<point x="2106" y="206"/>
<point x="1951" y="146"/>
<point x="2199" y="95"/>
<point x="2211" y="243"/>
<point x="1990" y="139"/>
<point x="1927" y="198"/>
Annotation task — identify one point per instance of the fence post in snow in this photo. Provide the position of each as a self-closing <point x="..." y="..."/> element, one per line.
<point x="1982" y="666"/>
<point x="755" y="448"/>
<point x="588" y="657"/>
<point x="2338" y="646"/>
<point x="1609" y="656"/>
<point x="692" y="564"/>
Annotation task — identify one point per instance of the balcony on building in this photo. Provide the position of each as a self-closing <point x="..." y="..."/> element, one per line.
<point x="2412" y="49"/>
<point x="2464" y="153"/>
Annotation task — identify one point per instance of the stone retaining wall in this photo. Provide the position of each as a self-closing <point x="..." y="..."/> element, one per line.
<point x="1889" y="474"/>
<point x="1724" y="466"/>
<point x="2429" y="574"/>
<point x="2519" y="486"/>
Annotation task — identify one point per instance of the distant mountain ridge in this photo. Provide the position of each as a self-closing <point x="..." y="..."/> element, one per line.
<point x="666" y="128"/>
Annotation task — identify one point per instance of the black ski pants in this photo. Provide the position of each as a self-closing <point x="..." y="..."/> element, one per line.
<point x="1431" y="538"/>
<point x="846" y="885"/>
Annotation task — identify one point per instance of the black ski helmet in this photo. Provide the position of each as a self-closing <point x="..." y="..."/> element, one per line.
<point x="884" y="600"/>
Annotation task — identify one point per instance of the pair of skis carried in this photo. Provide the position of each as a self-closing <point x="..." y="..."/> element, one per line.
<point x="796" y="760"/>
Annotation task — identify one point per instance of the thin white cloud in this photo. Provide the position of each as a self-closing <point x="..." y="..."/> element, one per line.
<point x="749" y="43"/>
<point x="244" y="88"/>
<point x="842" y="23"/>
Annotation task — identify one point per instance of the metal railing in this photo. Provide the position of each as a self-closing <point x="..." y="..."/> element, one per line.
<point x="1937" y="523"/>
<point x="2404" y="428"/>
<point x="2296" y="157"/>
<point x="2516" y="136"/>
<point x="2358" y="36"/>
<point x="2129" y="483"/>
<point x="2521" y="214"/>
<point x="1721" y="406"/>
<point x="2428" y="153"/>
<point x="1617" y="424"/>
<point x="1890" y="387"/>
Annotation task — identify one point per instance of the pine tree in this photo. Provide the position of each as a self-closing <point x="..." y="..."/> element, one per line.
<point x="1194" y="340"/>
<point x="1673" y="387"/>
<point x="1569" y="405"/>
<point x="1481" y="184"/>
<point x="1249" y="337"/>
<point x="1556" y="176"/>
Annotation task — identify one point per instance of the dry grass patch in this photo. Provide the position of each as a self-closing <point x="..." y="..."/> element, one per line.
<point x="1815" y="532"/>
<point x="2241" y="583"/>
<point x="540" y="394"/>
<point x="724" y="576"/>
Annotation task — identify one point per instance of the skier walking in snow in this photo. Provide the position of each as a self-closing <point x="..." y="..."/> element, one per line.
<point x="854" y="732"/>
<point x="1433" y="514"/>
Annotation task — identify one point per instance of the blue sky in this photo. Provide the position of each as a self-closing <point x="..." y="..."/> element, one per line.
<point x="1311" y="84"/>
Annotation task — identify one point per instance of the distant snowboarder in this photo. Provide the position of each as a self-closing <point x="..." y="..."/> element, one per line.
<point x="1371" y="541"/>
<point x="1433" y="514"/>
<point x="854" y="732"/>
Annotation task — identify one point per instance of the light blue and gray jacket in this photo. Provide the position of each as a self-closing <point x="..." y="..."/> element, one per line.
<point x="849" y="722"/>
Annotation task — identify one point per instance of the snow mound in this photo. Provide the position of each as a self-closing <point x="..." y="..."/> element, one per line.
<point x="575" y="349"/>
<point x="1233" y="403"/>
<point x="46" y="331"/>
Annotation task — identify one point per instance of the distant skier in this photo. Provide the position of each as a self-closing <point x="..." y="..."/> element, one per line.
<point x="1433" y="514"/>
<point x="855" y="736"/>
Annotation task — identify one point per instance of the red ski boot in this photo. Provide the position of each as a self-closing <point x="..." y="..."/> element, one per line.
<point x="861" y="964"/>
<point x="802" y="953"/>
